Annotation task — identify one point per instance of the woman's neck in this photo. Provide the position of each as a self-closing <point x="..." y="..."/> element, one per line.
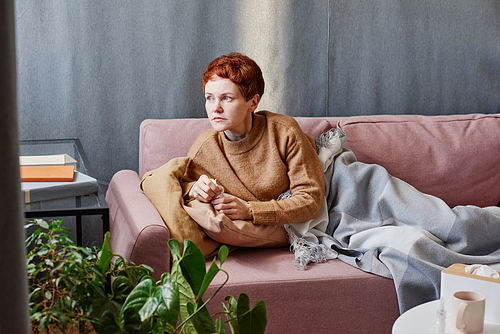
<point x="231" y="136"/>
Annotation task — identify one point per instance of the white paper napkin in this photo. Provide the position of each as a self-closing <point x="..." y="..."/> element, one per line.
<point x="221" y="188"/>
<point x="482" y="270"/>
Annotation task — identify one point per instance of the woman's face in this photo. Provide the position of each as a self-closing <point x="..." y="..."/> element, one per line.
<point x="227" y="109"/>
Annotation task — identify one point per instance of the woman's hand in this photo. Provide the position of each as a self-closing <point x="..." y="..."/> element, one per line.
<point x="233" y="207"/>
<point x="204" y="190"/>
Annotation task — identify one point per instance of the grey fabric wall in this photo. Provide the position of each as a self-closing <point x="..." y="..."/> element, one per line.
<point x="414" y="57"/>
<point x="96" y="69"/>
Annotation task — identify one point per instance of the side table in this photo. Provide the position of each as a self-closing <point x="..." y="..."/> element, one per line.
<point x="93" y="204"/>
<point x="422" y="319"/>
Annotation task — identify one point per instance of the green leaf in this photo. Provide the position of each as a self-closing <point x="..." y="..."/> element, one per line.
<point x="220" y="327"/>
<point x="223" y="254"/>
<point x="251" y="321"/>
<point x="108" y="324"/>
<point x="119" y="262"/>
<point x="144" y="298"/>
<point x="42" y="223"/>
<point x="208" y="278"/>
<point x="132" y="322"/>
<point x="190" y="308"/>
<point x="193" y="265"/>
<point x="170" y="308"/>
<point x="121" y="288"/>
<point x="101" y="305"/>
<point x="129" y="324"/>
<point x="106" y="254"/>
<point x="43" y="251"/>
<point x="44" y="322"/>
<point x="231" y="313"/>
<point x="243" y="304"/>
<point x="175" y="248"/>
<point x="202" y="320"/>
<point x="158" y="328"/>
<point x="186" y="296"/>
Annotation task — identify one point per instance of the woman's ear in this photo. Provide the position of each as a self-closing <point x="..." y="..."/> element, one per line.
<point x="255" y="102"/>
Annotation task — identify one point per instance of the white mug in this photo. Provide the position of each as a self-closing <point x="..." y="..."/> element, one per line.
<point x="467" y="312"/>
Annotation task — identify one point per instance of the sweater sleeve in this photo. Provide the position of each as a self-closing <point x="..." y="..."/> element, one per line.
<point x="307" y="184"/>
<point x="194" y="170"/>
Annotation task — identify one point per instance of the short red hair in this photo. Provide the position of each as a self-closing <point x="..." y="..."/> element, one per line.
<point x="241" y="70"/>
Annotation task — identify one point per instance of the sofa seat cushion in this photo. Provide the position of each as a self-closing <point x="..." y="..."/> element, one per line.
<point x="438" y="155"/>
<point x="311" y="297"/>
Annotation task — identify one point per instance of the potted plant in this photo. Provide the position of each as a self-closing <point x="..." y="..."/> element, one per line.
<point x="69" y="289"/>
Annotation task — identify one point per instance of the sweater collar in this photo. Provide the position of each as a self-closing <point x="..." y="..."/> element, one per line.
<point x="247" y="143"/>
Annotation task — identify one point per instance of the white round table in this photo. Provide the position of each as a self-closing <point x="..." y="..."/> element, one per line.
<point x="422" y="320"/>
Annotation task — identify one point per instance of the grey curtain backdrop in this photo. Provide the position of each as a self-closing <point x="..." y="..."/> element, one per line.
<point x="96" y="69"/>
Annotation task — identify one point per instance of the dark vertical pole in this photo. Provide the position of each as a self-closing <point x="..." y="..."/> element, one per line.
<point x="14" y="316"/>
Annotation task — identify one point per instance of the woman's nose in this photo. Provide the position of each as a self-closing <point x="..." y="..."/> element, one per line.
<point x="217" y="107"/>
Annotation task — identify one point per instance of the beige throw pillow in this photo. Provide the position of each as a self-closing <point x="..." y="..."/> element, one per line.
<point x="240" y="233"/>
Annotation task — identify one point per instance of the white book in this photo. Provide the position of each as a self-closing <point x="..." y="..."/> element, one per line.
<point x="46" y="160"/>
<point x="81" y="185"/>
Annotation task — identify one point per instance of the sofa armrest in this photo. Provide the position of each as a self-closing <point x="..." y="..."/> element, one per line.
<point x="138" y="232"/>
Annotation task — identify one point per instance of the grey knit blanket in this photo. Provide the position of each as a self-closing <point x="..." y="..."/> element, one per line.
<point x="382" y="225"/>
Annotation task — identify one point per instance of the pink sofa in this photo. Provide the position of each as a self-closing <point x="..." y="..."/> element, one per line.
<point x="455" y="157"/>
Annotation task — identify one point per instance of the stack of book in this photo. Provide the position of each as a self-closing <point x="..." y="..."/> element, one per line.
<point x="48" y="177"/>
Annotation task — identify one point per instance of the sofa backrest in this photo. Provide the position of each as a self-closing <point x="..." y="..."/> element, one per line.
<point x="454" y="157"/>
<point x="163" y="139"/>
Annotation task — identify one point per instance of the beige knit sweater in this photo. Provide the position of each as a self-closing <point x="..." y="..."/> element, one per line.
<point x="275" y="156"/>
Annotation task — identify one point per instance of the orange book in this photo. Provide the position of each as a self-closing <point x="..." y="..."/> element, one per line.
<point x="47" y="173"/>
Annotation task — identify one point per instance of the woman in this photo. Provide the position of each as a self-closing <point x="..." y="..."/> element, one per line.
<point x="254" y="156"/>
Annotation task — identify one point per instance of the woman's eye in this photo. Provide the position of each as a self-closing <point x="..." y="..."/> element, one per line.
<point x="227" y="98"/>
<point x="209" y="98"/>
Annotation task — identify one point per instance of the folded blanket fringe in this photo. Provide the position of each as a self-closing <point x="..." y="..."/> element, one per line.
<point x="306" y="251"/>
